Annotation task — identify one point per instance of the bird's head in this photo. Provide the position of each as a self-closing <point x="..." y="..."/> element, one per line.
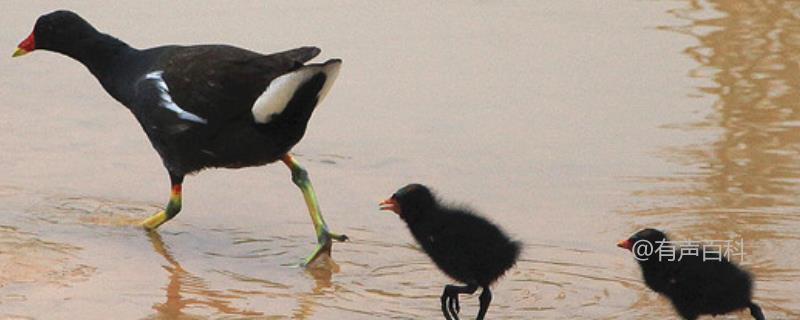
<point x="59" y="31"/>
<point x="410" y="202"/>
<point x="645" y="237"/>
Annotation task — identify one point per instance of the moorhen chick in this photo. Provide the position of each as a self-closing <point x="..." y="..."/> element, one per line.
<point x="203" y="106"/>
<point x="694" y="286"/>
<point x="465" y="246"/>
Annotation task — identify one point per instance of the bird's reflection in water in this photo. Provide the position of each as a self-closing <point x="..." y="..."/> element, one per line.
<point x="322" y="271"/>
<point x="186" y="290"/>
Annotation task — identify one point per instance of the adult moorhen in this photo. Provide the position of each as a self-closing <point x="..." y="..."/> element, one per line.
<point x="695" y="284"/>
<point x="203" y="106"/>
<point x="465" y="246"/>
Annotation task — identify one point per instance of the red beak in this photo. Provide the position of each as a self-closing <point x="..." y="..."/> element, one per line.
<point x="27" y="45"/>
<point x="390" y="204"/>
<point x="625" y="244"/>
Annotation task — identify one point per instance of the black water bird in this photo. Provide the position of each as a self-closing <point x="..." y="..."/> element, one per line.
<point x="203" y="106"/>
<point x="694" y="286"/>
<point x="465" y="246"/>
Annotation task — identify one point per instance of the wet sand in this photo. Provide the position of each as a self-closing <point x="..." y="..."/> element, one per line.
<point x="570" y="123"/>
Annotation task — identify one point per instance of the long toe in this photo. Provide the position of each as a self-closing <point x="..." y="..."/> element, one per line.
<point x="321" y="249"/>
<point x="324" y="246"/>
<point x="157" y="219"/>
<point x="453" y="306"/>
<point x="338" y="237"/>
<point x="445" y="312"/>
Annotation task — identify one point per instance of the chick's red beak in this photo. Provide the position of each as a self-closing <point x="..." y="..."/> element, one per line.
<point x="27" y="45"/>
<point x="625" y="244"/>
<point x="391" y="205"/>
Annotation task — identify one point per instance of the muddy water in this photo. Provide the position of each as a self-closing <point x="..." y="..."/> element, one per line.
<point x="571" y="123"/>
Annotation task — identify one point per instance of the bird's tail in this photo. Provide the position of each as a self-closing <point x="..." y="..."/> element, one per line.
<point x="755" y="311"/>
<point x="509" y="255"/>
<point x="295" y="94"/>
<point x="517" y="249"/>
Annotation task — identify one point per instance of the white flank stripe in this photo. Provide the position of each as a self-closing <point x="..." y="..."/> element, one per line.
<point x="166" y="99"/>
<point x="282" y="89"/>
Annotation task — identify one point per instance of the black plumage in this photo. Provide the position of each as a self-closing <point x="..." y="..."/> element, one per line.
<point x="202" y="106"/>
<point x="465" y="246"/>
<point x="694" y="286"/>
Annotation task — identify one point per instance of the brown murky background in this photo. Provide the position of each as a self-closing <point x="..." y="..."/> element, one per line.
<point x="571" y="123"/>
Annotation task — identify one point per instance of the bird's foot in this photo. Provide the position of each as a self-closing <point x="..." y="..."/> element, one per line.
<point x="338" y="237"/>
<point x="320" y="250"/>
<point x="152" y="222"/>
<point x="169" y="212"/>
<point x="450" y="305"/>
<point x="454" y="307"/>
<point x="324" y="245"/>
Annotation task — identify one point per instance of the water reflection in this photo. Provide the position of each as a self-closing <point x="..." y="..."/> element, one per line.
<point x="27" y="258"/>
<point x="321" y="272"/>
<point x="752" y="57"/>
<point x="742" y="178"/>
<point x="186" y="290"/>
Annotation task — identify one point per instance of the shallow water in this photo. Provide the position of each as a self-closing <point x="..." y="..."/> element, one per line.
<point x="570" y="123"/>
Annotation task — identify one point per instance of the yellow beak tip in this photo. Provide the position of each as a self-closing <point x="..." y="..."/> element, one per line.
<point x="18" y="52"/>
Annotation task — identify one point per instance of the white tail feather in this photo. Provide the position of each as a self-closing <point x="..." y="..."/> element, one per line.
<point x="281" y="90"/>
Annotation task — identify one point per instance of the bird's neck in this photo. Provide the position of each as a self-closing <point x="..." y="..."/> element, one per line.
<point x="656" y="276"/>
<point x="101" y="54"/>
<point x="421" y="224"/>
<point x="98" y="52"/>
<point x="654" y="268"/>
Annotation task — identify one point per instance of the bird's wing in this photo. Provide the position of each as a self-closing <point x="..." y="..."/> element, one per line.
<point x="210" y="85"/>
<point x="469" y="236"/>
<point x="693" y="278"/>
<point x="157" y="111"/>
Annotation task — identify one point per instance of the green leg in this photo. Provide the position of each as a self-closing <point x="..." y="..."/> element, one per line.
<point x="172" y="209"/>
<point x="324" y="236"/>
